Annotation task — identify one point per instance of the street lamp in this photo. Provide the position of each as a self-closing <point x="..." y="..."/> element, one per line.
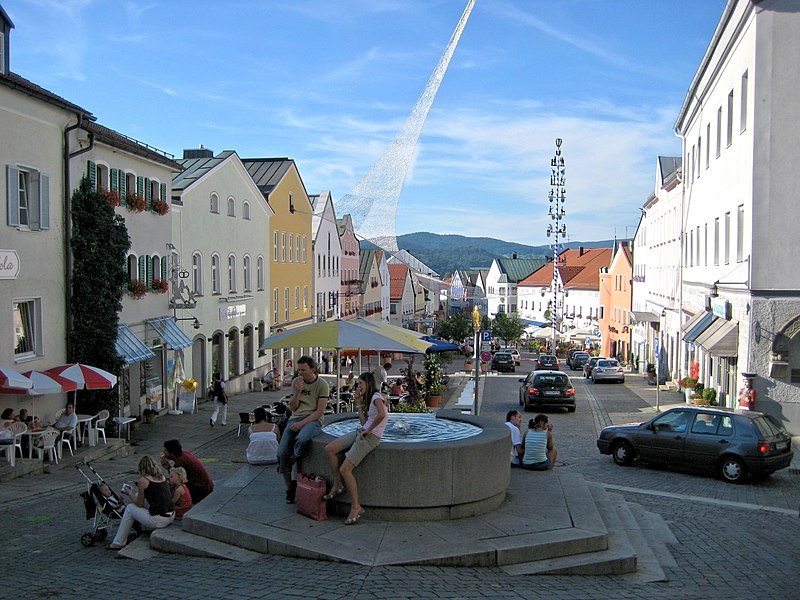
<point x="557" y="197"/>
<point x="659" y="350"/>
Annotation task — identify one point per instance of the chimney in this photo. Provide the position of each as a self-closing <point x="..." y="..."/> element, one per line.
<point x="5" y="43"/>
<point x="514" y="256"/>
<point x="580" y="251"/>
<point x="201" y="152"/>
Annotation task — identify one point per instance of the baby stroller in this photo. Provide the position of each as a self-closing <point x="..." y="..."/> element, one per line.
<point x="102" y="508"/>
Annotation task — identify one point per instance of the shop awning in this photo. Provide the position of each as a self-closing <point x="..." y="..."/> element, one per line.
<point x="721" y="338"/>
<point x="130" y="347"/>
<point x="645" y="316"/>
<point x="169" y="331"/>
<point x="697" y="325"/>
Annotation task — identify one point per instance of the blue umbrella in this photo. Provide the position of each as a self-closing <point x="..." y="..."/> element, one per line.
<point x="438" y="345"/>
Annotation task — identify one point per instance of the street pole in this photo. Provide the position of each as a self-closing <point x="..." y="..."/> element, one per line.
<point x="557" y="197"/>
<point x="476" y="322"/>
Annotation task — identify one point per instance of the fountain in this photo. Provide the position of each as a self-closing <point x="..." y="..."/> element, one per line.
<point x="428" y="467"/>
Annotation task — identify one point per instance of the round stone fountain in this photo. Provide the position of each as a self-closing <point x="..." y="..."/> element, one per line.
<point x="441" y="466"/>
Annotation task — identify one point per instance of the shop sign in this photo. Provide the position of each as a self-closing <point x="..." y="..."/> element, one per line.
<point x="9" y="264"/>
<point x="232" y="312"/>
<point x="720" y="308"/>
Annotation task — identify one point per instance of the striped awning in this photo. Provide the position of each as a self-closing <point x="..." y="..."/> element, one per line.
<point x="168" y="329"/>
<point x="721" y="338"/>
<point x="130" y="347"/>
<point x="697" y="325"/>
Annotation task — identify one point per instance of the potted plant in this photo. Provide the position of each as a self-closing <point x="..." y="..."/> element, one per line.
<point x="149" y="415"/>
<point x="432" y="377"/>
<point x="710" y="396"/>
<point x="137" y="288"/>
<point x="159" y="206"/>
<point x="160" y="286"/>
<point x="135" y="202"/>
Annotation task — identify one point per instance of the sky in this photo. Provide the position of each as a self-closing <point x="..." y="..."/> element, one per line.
<point x="329" y="83"/>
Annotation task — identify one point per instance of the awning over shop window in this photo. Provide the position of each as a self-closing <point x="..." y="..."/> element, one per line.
<point x="697" y="325"/>
<point x="721" y="338"/>
<point x="645" y="316"/>
<point x="169" y="331"/>
<point x="130" y="347"/>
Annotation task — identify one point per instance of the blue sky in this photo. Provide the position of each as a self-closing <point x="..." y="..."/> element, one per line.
<point x="330" y="82"/>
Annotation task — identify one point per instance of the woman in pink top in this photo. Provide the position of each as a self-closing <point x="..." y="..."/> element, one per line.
<point x="372" y="414"/>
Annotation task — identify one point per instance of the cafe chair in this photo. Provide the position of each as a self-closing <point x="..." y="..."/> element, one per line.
<point x="10" y="451"/>
<point x="244" y="421"/>
<point x="48" y="446"/>
<point x="58" y="414"/>
<point x="68" y="438"/>
<point x="18" y="429"/>
<point x="100" y="425"/>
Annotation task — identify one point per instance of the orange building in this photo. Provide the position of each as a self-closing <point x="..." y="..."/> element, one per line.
<point x="616" y="296"/>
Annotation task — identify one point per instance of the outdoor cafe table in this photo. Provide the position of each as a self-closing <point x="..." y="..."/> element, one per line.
<point x="33" y="434"/>
<point x="85" y="422"/>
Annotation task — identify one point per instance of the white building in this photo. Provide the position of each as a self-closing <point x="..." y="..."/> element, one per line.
<point x="327" y="257"/>
<point x="501" y="282"/>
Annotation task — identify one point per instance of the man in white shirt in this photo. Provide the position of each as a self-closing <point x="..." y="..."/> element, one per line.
<point x="68" y="419"/>
<point x="513" y="421"/>
<point x="380" y="376"/>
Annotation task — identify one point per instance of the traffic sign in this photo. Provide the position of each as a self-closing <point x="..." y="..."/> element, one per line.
<point x="486" y="356"/>
<point x="656" y="345"/>
<point x="486" y="336"/>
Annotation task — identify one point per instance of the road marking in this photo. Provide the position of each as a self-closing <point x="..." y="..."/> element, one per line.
<point x="728" y="503"/>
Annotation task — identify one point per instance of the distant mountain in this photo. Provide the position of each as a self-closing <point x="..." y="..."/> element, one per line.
<point x="446" y="253"/>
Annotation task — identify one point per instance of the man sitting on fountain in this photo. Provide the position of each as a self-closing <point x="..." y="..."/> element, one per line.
<point x="310" y="396"/>
<point x="513" y="421"/>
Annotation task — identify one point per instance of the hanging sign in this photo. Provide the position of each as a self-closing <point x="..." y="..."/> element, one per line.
<point x="9" y="264"/>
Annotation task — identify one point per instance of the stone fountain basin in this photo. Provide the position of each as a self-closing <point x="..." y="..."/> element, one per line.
<point x="426" y="481"/>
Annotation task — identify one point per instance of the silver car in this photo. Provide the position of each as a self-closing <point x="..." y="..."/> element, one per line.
<point x="608" y="369"/>
<point x="514" y="353"/>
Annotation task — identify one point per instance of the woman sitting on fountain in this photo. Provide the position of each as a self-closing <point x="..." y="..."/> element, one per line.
<point x="372" y="415"/>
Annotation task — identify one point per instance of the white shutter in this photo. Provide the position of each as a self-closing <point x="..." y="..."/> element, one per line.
<point x="12" y="199"/>
<point x="44" y="201"/>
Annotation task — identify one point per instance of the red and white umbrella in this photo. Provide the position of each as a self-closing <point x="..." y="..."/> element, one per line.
<point x="43" y="383"/>
<point x="85" y="376"/>
<point x="9" y="378"/>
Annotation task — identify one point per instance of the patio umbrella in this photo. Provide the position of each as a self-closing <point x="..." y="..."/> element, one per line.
<point x="9" y="378"/>
<point x="43" y="383"/>
<point x="440" y="345"/>
<point x="85" y="376"/>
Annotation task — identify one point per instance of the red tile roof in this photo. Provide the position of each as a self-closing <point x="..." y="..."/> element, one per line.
<point x="397" y="280"/>
<point x="578" y="271"/>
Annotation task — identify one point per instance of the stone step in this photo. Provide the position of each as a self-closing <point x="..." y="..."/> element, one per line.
<point x="114" y="448"/>
<point x="648" y="567"/>
<point x="657" y="532"/>
<point x="177" y="541"/>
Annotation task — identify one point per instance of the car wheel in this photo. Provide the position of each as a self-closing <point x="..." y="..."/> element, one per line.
<point x="732" y="469"/>
<point x="622" y="380"/>
<point x="622" y="452"/>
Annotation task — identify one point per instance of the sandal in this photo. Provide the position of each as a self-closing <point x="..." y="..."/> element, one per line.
<point x="353" y="520"/>
<point x="114" y="547"/>
<point x="334" y="493"/>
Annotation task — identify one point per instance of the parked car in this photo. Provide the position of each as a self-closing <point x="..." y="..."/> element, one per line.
<point x="734" y="444"/>
<point x="513" y="352"/>
<point x="547" y="361"/>
<point x="547" y="389"/>
<point x="503" y="361"/>
<point x="608" y="369"/>
<point x="578" y="360"/>
<point x="587" y="368"/>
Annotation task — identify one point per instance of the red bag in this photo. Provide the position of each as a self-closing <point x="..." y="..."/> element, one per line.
<point x="310" y="490"/>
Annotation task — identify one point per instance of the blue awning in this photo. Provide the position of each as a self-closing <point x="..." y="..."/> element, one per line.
<point x="697" y="325"/>
<point x="530" y="323"/>
<point x="169" y="331"/>
<point x="130" y="347"/>
<point x="439" y="345"/>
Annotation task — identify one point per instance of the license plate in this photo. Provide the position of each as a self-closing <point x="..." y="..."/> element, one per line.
<point x="782" y="445"/>
<point x="552" y="393"/>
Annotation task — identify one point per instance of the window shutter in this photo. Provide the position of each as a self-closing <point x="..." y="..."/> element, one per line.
<point x="92" y="173"/>
<point x="12" y="200"/>
<point x="164" y="192"/>
<point x="148" y="192"/>
<point x="140" y="185"/>
<point x="163" y="267"/>
<point x="142" y="269"/>
<point x="114" y="183"/>
<point x="44" y="201"/>
<point x="123" y="181"/>
<point x="149" y="264"/>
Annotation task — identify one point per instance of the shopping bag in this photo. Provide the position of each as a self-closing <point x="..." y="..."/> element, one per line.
<point x="310" y="490"/>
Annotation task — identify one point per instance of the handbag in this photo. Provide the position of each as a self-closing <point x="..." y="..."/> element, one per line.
<point x="310" y="490"/>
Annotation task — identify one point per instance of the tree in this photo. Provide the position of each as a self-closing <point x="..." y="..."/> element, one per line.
<point x="457" y="327"/>
<point x="509" y="328"/>
<point x="100" y="244"/>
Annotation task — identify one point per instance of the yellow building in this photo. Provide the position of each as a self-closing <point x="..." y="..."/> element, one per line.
<point x="291" y="264"/>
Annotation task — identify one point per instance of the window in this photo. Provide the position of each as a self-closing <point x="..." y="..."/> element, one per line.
<point x="3" y="66"/>
<point x="697" y="260"/>
<point x="247" y="274"/>
<point x="297" y="248"/>
<point x="729" y="130"/>
<point x="283" y="246"/>
<point x="305" y="250"/>
<point x="291" y="246"/>
<point x="197" y="273"/>
<point x="215" y="274"/>
<point x="726" y="250"/>
<point x="286" y="304"/>
<point x="28" y="198"/>
<point x="231" y="207"/>
<point x="246" y="210"/>
<point x="708" y="144"/>
<point x="231" y="273"/>
<point x="275" y="246"/>
<point x="743" y="107"/>
<point x="719" y="130"/>
<point x="705" y="246"/>
<point x="214" y="203"/>
<point x="260" y="273"/>
<point x="740" y="233"/>
<point x="27" y="320"/>
<point x="699" y="154"/>
<point x="716" y="241"/>
<point x="275" y="306"/>
<point x="155" y="189"/>
<point x="305" y="297"/>
<point x="297" y="298"/>
<point x="691" y="248"/>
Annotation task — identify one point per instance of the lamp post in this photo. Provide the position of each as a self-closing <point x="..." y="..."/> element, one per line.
<point x="476" y="322"/>
<point x="659" y="350"/>
<point x="557" y="197"/>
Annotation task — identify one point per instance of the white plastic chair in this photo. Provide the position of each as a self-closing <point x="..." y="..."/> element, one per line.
<point x="18" y="429"/>
<point x="58" y="414"/>
<point x="67" y="437"/>
<point x="49" y="438"/>
<point x="10" y="452"/>
<point x="100" y="424"/>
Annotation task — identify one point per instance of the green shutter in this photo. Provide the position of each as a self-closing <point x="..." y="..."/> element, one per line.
<point x="148" y="192"/>
<point x="149" y="271"/>
<point x="92" y="173"/>
<point x="163" y="267"/>
<point x="114" y="183"/>
<point x="140" y="185"/>
<point x="123" y="182"/>
<point x="142" y="269"/>
<point x="164" y="192"/>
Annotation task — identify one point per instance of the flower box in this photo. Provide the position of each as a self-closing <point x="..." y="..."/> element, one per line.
<point x="160" y="207"/>
<point x="160" y="286"/>
<point x="113" y="198"/>
<point x="135" y="202"/>
<point x="137" y="288"/>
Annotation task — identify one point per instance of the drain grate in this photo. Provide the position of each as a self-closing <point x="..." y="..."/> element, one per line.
<point x="794" y="471"/>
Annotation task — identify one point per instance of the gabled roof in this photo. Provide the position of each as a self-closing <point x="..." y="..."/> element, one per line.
<point x="516" y="269"/>
<point x="579" y="269"/>
<point x="267" y="172"/>
<point x="4" y="16"/>
<point x="195" y="168"/>
<point x="366" y="259"/>
<point x="412" y="261"/>
<point x="398" y="272"/>
<point x="123" y="142"/>
<point x="29" y="88"/>
<point x="668" y="166"/>
<point x="344" y="223"/>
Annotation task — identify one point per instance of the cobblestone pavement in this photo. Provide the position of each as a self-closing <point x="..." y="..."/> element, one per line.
<point x="735" y="541"/>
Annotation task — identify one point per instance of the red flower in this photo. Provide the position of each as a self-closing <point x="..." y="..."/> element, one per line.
<point x="159" y="206"/>
<point x="135" y="202"/>
<point x="137" y="288"/>
<point x="160" y="286"/>
<point x="112" y="197"/>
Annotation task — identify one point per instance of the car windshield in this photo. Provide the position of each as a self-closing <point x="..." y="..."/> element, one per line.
<point x="580" y="355"/>
<point x="502" y="355"/>
<point x="768" y="427"/>
<point x="552" y="379"/>
<point x="607" y="363"/>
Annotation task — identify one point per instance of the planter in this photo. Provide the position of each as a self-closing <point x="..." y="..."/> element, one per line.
<point x="700" y="401"/>
<point x="468" y="366"/>
<point x="433" y="401"/>
<point x="688" y="392"/>
<point x="484" y="367"/>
